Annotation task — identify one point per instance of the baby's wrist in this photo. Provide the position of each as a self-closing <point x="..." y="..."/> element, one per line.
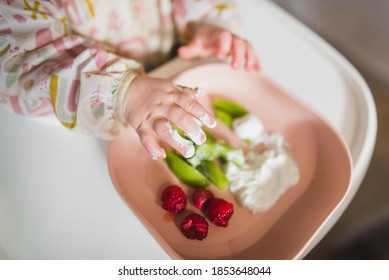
<point x="121" y="97"/>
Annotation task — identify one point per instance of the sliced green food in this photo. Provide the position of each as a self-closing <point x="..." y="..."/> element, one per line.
<point x="213" y="172"/>
<point x="210" y="137"/>
<point x="208" y="151"/>
<point x="229" y="107"/>
<point x="185" y="172"/>
<point x="224" y="117"/>
<point x="205" y="167"/>
<point x="213" y="150"/>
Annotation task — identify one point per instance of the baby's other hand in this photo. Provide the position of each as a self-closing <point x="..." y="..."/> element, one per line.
<point x="152" y="105"/>
<point x="213" y="40"/>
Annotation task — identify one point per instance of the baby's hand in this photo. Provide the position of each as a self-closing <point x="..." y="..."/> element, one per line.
<point x="152" y="105"/>
<point x="213" y="40"/>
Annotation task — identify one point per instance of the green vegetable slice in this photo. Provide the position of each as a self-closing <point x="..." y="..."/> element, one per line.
<point x="213" y="172"/>
<point x="230" y="108"/>
<point x="214" y="150"/>
<point x="224" y="117"/>
<point x="185" y="172"/>
<point x="208" y="151"/>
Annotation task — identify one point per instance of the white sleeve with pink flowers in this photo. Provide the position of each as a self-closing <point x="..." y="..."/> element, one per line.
<point x="45" y="68"/>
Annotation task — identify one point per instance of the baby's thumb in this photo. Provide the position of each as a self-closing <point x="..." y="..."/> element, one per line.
<point x="189" y="51"/>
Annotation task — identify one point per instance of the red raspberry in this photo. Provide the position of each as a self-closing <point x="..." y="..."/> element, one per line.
<point x="174" y="199"/>
<point x="201" y="198"/>
<point x="220" y="211"/>
<point x="194" y="226"/>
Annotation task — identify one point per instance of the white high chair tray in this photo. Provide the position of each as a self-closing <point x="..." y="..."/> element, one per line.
<point x="56" y="197"/>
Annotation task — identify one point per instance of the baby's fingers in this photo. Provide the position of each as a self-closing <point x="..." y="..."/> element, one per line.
<point x="166" y="132"/>
<point x="224" y="42"/>
<point x="150" y="143"/>
<point x="238" y="52"/>
<point x="193" y="107"/>
<point x="184" y="121"/>
<point x="252" y="62"/>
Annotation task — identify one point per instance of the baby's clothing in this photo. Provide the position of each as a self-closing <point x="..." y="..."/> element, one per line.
<point x="76" y="58"/>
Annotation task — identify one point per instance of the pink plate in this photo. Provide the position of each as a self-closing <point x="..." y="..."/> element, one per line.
<point x="279" y="233"/>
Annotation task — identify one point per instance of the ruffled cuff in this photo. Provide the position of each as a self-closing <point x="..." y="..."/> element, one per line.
<point x="120" y="101"/>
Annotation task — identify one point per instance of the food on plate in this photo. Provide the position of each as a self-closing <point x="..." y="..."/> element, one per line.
<point x="249" y="128"/>
<point x="212" y="150"/>
<point x="185" y="172"/>
<point x="201" y="197"/>
<point x="266" y="175"/>
<point x="268" y="170"/>
<point x="224" y="117"/>
<point x="204" y="167"/>
<point x="219" y="211"/>
<point x="257" y="177"/>
<point x="194" y="226"/>
<point x="229" y="107"/>
<point x="213" y="172"/>
<point x="174" y="199"/>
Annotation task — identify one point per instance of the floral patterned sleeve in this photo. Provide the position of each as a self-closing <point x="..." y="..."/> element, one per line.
<point x="188" y="14"/>
<point x="47" y="68"/>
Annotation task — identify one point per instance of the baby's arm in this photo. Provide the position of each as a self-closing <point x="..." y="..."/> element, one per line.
<point x="47" y="68"/>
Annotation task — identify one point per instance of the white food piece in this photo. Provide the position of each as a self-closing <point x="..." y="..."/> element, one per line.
<point x="264" y="177"/>
<point x="249" y="128"/>
<point x="189" y="149"/>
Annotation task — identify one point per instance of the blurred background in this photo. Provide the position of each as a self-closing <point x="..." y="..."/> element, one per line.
<point x="359" y="29"/>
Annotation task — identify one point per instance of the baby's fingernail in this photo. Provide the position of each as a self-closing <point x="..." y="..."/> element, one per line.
<point x="163" y="153"/>
<point x="155" y="155"/>
<point x="158" y="154"/>
<point x="183" y="88"/>
<point x="208" y="121"/>
<point x="199" y="92"/>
